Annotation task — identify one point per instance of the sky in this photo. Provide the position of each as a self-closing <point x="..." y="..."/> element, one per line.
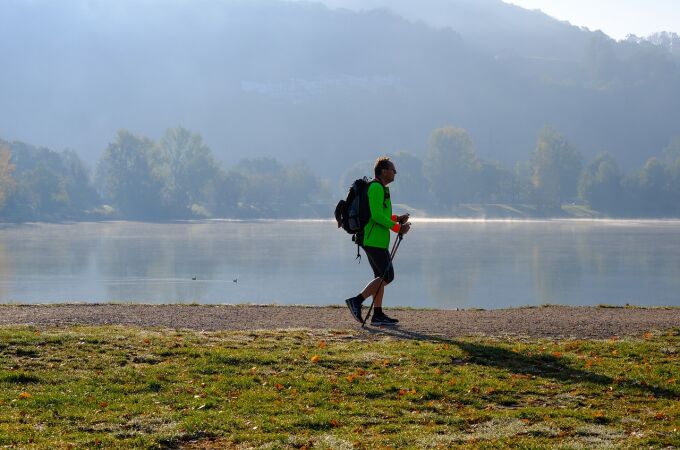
<point x="616" y="18"/>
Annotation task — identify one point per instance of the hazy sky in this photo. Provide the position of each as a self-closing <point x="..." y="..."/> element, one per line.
<point x="617" y="18"/>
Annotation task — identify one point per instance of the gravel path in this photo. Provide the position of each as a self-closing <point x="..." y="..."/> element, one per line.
<point x="554" y="321"/>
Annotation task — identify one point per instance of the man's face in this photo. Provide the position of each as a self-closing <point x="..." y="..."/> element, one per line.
<point x="389" y="174"/>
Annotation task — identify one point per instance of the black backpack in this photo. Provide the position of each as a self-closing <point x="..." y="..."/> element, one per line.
<point x="353" y="213"/>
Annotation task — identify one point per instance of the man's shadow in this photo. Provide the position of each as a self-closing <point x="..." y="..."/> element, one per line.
<point x="546" y="366"/>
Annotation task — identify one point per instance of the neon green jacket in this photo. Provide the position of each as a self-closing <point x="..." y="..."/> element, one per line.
<point x="377" y="230"/>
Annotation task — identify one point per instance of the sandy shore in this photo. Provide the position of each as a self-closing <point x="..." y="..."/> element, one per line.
<point x="553" y="321"/>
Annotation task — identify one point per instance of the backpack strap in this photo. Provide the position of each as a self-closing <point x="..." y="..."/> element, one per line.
<point x="356" y="239"/>
<point x="384" y="191"/>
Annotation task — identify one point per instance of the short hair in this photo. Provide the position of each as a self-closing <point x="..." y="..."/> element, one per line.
<point x="381" y="163"/>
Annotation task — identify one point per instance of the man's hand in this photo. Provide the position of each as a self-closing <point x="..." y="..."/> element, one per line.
<point x="404" y="228"/>
<point x="403" y="219"/>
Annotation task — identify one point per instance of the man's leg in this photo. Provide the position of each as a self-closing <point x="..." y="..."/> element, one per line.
<point x="379" y="259"/>
<point x="371" y="290"/>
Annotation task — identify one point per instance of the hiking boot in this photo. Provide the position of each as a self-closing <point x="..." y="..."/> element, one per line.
<point x="382" y="319"/>
<point x="354" y="305"/>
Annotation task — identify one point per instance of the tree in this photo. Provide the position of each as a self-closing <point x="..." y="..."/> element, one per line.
<point x="187" y="167"/>
<point x="555" y="168"/>
<point x="125" y="177"/>
<point x="654" y="183"/>
<point x="411" y="186"/>
<point x="450" y="166"/>
<point x="495" y="183"/>
<point x="49" y="185"/>
<point x="671" y="154"/>
<point x="601" y="62"/>
<point x="78" y="182"/>
<point x="301" y="185"/>
<point x="225" y="191"/>
<point x="522" y="187"/>
<point x="7" y="182"/>
<point x="600" y="184"/>
<point x="358" y="170"/>
<point x="264" y="180"/>
<point x="672" y="160"/>
<point x="44" y="191"/>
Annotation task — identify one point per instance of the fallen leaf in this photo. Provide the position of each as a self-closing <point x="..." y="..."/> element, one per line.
<point x="25" y="395"/>
<point x="571" y="346"/>
<point x="315" y="359"/>
<point x="438" y="371"/>
<point x="361" y="372"/>
<point x="519" y="375"/>
<point x="334" y="423"/>
<point x="557" y="354"/>
<point x="322" y="344"/>
<point x="103" y="404"/>
<point x="648" y="335"/>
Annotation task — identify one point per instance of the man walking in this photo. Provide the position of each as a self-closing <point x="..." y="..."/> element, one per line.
<point x="375" y="240"/>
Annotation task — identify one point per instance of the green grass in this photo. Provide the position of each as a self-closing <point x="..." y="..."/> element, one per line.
<point x="122" y="387"/>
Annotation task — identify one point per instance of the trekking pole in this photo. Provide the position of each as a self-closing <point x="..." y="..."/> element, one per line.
<point x="395" y="246"/>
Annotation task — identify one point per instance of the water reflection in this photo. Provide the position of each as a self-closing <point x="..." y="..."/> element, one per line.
<point x="6" y="271"/>
<point x="440" y="264"/>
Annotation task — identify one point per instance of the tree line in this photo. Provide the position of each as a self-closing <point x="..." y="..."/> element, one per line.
<point x="177" y="177"/>
<point x="452" y="174"/>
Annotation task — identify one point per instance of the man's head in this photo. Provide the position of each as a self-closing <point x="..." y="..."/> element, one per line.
<point x="384" y="170"/>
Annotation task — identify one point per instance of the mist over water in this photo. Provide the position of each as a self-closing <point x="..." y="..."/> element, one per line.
<point x="442" y="263"/>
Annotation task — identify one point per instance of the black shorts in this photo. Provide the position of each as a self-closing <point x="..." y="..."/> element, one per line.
<point x="379" y="259"/>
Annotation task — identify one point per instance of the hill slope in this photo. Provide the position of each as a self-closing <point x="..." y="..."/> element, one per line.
<point x="302" y="81"/>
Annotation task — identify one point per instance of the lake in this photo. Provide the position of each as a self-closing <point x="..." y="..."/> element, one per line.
<point x="440" y="264"/>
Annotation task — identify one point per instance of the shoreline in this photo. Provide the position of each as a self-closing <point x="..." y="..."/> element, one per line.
<point x="418" y="219"/>
<point x="549" y="321"/>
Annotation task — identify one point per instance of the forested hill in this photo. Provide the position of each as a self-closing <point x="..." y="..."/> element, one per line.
<point x="301" y="81"/>
<point x="489" y="26"/>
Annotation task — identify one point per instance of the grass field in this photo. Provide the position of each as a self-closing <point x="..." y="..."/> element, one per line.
<point x="123" y="387"/>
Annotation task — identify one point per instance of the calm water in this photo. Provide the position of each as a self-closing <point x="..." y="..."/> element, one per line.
<point x="442" y="264"/>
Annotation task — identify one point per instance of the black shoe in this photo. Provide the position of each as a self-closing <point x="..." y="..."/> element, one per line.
<point x="354" y="305"/>
<point x="382" y="319"/>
